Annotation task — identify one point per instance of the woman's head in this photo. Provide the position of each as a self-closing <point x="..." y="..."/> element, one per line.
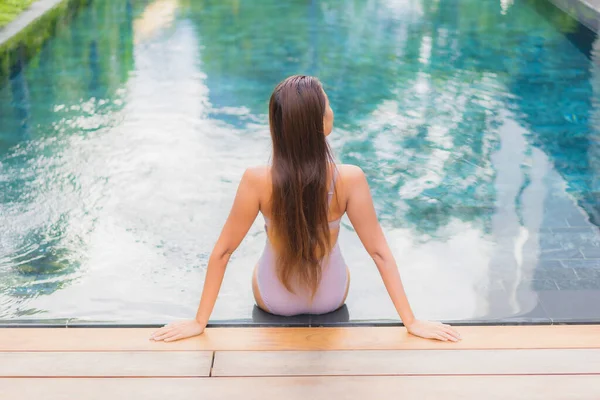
<point x="300" y="118"/>
<point x="300" y="101"/>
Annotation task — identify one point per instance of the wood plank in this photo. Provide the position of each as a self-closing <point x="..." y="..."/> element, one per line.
<point x="534" y="387"/>
<point x="360" y="338"/>
<point x="159" y="364"/>
<point x="406" y="362"/>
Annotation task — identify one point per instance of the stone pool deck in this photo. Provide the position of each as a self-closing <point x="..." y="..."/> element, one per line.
<point x="533" y="362"/>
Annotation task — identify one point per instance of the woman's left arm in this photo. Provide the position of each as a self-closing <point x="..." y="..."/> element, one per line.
<point x="241" y="217"/>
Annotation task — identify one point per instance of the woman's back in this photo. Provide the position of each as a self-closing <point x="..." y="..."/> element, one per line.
<point x="264" y="185"/>
<point x="271" y="294"/>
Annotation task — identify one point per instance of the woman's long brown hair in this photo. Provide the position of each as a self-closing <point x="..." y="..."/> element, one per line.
<point x="301" y="160"/>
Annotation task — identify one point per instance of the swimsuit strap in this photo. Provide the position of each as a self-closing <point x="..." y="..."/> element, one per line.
<point x="333" y="224"/>
<point x="332" y="187"/>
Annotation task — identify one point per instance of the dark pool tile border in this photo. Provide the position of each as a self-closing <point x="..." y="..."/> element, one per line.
<point x="4" y="324"/>
<point x="352" y="323"/>
<point x="267" y="319"/>
<point x="243" y="324"/>
<point x="567" y="321"/>
<point x="34" y="323"/>
<point x="502" y="322"/>
<point x="473" y="322"/>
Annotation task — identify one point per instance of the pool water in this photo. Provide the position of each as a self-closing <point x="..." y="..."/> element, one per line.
<point x="123" y="141"/>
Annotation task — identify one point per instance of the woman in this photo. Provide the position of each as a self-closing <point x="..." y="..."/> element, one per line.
<point x="302" y="197"/>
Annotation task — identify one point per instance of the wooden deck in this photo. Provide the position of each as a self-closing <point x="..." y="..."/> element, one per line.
<point x="501" y="362"/>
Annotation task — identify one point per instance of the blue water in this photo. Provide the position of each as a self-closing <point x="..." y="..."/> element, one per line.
<point x="123" y="140"/>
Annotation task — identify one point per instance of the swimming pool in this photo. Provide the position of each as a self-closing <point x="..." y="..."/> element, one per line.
<point x="123" y="140"/>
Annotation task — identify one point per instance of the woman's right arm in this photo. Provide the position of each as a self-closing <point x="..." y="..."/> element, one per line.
<point x="362" y="215"/>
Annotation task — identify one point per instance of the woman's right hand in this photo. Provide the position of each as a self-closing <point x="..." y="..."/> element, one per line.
<point x="178" y="330"/>
<point x="433" y="330"/>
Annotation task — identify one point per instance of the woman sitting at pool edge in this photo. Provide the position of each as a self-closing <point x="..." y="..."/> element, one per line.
<point x="302" y="196"/>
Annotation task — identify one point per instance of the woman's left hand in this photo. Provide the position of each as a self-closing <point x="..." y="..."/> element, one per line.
<point x="177" y="331"/>
<point x="433" y="330"/>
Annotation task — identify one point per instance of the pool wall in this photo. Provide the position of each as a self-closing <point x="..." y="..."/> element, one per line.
<point x="22" y="38"/>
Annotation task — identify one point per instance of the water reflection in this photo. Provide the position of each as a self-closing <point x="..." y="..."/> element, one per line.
<point x="120" y="152"/>
<point x="64" y="96"/>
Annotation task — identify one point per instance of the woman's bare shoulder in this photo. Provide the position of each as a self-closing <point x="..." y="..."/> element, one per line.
<point x="258" y="175"/>
<point x="350" y="173"/>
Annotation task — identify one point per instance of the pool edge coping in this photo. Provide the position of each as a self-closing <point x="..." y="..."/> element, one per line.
<point x="585" y="12"/>
<point x="283" y="324"/>
<point x="29" y="16"/>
